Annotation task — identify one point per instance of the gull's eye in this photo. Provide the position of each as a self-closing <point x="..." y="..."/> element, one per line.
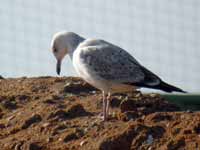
<point x="55" y="50"/>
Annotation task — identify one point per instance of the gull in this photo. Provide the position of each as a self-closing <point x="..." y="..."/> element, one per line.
<point x="105" y="66"/>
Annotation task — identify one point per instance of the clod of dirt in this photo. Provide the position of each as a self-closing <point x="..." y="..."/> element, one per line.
<point x="33" y="119"/>
<point x="73" y="134"/>
<point x="74" y="111"/>
<point x="78" y="87"/>
<point x="122" y="140"/>
<point x="77" y="110"/>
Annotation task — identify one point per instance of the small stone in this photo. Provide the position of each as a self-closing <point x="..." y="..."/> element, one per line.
<point x="46" y="124"/>
<point x="149" y="139"/>
<point x="83" y="142"/>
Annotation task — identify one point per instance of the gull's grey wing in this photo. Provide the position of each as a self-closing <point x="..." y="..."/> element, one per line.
<point x="112" y="63"/>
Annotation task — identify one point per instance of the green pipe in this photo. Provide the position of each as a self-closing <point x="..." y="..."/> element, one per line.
<point x="186" y="102"/>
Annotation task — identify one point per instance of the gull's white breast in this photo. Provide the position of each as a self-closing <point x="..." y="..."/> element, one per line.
<point x="87" y="73"/>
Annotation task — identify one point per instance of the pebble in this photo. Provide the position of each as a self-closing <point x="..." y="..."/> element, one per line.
<point x="46" y="124"/>
<point x="149" y="139"/>
<point x="83" y="142"/>
<point x="60" y="139"/>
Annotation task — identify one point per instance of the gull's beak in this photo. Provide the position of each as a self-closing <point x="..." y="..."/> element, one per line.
<point x="58" y="67"/>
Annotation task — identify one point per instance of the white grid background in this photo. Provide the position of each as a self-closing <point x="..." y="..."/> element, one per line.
<point x="163" y="35"/>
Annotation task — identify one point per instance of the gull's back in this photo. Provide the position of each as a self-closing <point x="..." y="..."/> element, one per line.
<point x="108" y="61"/>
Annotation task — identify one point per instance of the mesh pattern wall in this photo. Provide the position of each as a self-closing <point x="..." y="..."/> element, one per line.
<point x="162" y="35"/>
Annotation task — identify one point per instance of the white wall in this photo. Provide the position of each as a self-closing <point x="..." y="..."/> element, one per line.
<point x="163" y="35"/>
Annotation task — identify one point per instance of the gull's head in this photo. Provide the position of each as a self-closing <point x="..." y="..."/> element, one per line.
<point x="62" y="44"/>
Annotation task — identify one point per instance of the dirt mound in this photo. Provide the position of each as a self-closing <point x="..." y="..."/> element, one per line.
<point x="62" y="113"/>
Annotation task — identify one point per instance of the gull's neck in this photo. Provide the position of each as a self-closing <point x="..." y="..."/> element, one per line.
<point x="74" y="42"/>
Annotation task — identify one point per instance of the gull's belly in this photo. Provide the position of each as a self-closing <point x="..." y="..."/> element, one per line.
<point x="104" y="85"/>
<point x="85" y="72"/>
<point x="92" y="78"/>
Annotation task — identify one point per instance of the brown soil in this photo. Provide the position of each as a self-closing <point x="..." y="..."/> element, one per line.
<point x="62" y="114"/>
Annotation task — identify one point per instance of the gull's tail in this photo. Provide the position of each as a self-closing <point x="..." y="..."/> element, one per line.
<point x="151" y="81"/>
<point x="167" y="88"/>
<point x="154" y="82"/>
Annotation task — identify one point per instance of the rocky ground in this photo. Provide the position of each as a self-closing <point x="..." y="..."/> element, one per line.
<point x="62" y="114"/>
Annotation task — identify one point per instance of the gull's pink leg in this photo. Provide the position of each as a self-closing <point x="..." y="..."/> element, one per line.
<point x="104" y="107"/>
<point x="103" y="113"/>
<point x="107" y="104"/>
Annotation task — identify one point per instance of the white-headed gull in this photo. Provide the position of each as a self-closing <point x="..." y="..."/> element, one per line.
<point x="105" y="66"/>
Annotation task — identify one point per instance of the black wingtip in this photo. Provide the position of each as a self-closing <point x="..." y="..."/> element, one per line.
<point x="169" y="88"/>
<point x="161" y="86"/>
